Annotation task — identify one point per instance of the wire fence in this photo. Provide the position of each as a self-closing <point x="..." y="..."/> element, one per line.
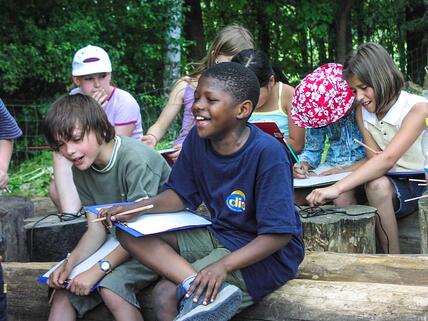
<point x="29" y="117"/>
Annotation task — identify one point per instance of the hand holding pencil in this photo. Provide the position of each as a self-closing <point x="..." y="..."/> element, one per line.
<point x="124" y="212"/>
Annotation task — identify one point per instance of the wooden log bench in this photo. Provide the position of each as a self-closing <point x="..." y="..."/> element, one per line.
<point x="330" y="287"/>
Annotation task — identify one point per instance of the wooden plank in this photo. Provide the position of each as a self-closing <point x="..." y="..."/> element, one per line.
<point x="325" y="294"/>
<point x="391" y="269"/>
<point x="304" y="300"/>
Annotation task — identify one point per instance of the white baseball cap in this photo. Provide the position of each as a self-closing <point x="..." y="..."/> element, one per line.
<point x="90" y="60"/>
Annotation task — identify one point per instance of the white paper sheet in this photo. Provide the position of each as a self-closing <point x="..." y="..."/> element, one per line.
<point x="313" y="181"/>
<point x="109" y="245"/>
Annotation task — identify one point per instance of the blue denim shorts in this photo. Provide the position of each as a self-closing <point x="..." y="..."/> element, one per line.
<point x="404" y="189"/>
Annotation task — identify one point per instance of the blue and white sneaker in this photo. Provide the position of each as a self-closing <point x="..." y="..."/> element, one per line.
<point x="223" y="308"/>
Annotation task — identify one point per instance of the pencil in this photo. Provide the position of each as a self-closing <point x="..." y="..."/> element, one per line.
<point x="366" y="146"/>
<point x="138" y="209"/>
<point x="291" y="151"/>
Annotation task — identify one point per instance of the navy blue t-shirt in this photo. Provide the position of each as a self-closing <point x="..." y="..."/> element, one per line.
<point x="248" y="193"/>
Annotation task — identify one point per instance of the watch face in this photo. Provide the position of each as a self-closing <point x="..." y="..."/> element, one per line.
<point x="105" y="266"/>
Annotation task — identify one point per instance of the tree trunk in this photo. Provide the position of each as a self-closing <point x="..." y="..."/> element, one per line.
<point x="417" y="40"/>
<point x="343" y="22"/>
<point x="352" y="296"/>
<point x="194" y="29"/>
<point x="173" y="52"/>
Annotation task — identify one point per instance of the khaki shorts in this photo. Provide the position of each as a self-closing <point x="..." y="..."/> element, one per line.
<point x="201" y="248"/>
<point x="197" y="246"/>
<point x="126" y="280"/>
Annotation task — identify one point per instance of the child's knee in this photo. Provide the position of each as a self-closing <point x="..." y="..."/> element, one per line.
<point x="164" y="290"/>
<point x="60" y="298"/>
<point x="111" y="299"/>
<point x="164" y="300"/>
<point x="381" y="186"/>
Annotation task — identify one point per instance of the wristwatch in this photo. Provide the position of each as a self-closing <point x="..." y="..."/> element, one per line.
<point x="105" y="266"/>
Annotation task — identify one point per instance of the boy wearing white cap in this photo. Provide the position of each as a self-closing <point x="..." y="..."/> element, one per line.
<point x="91" y="73"/>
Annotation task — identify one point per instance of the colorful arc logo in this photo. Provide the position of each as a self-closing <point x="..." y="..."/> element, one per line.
<point x="236" y="201"/>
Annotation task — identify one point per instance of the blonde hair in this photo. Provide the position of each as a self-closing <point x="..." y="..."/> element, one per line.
<point x="228" y="42"/>
<point x="374" y="67"/>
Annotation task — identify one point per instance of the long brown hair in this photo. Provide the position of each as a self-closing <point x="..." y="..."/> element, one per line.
<point x="374" y="67"/>
<point x="228" y="42"/>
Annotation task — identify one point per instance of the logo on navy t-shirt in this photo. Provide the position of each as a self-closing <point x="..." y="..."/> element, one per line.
<point x="236" y="201"/>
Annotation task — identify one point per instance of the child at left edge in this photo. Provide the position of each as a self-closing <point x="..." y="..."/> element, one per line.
<point x="106" y="169"/>
<point x="244" y="177"/>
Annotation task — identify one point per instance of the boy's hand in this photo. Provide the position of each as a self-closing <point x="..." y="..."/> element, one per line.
<point x="58" y="278"/>
<point x="320" y="196"/>
<point x="174" y="155"/>
<point x="110" y="212"/>
<point x="101" y="97"/>
<point x="210" y="278"/>
<point x="149" y="140"/>
<point x="83" y="283"/>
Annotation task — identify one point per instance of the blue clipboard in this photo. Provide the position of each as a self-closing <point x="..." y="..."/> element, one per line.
<point x="406" y="174"/>
<point x="155" y="223"/>
<point x="150" y="224"/>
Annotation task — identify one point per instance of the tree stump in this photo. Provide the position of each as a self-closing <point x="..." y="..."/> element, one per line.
<point x="50" y="239"/>
<point x="347" y="229"/>
<point x="423" y="224"/>
<point x="13" y="211"/>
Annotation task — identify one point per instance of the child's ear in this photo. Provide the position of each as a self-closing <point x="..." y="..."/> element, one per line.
<point x="245" y="109"/>
<point x="76" y="80"/>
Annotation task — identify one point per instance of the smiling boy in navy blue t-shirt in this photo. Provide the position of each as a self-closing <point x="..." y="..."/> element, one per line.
<point x="245" y="179"/>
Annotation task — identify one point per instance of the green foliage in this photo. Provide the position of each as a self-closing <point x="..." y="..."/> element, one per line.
<point x="47" y="33"/>
<point x="32" y="177"/>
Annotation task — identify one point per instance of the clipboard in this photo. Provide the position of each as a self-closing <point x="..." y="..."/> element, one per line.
<point x="165" y="153"/>
<point x="155" y="223"/>
<point x="316" y="181"/>
<point x="272" y="129"/>
<point x="108" y="246"/>
<point x="406" y="174"/>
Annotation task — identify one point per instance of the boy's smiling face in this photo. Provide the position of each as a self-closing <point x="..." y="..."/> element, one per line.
<point x="215" y="111"/>
<point x="82" y="150"/>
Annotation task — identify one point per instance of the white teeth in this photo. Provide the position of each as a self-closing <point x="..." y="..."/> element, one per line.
<point x="200" y="118"/>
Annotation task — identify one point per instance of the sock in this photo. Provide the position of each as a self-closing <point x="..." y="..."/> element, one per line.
<point x="188" y="281"/>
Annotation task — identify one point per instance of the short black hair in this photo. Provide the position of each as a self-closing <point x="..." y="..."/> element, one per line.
<point x="240" y="82"/>
<point x="70" y="111"/>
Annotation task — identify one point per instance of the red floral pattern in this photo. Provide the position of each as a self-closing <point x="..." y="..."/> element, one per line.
<point x="321" y="98"/>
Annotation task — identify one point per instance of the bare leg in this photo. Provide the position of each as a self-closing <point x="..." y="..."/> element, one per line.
<point x="159" y="253"/>
<point x="120" y="308"/>
<point x="61" y="309"/>
<point x="380" y="194"/>
<point x="164" y="300"/>
<point x="346" y="198"/>
<point x="62" y="191"/>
